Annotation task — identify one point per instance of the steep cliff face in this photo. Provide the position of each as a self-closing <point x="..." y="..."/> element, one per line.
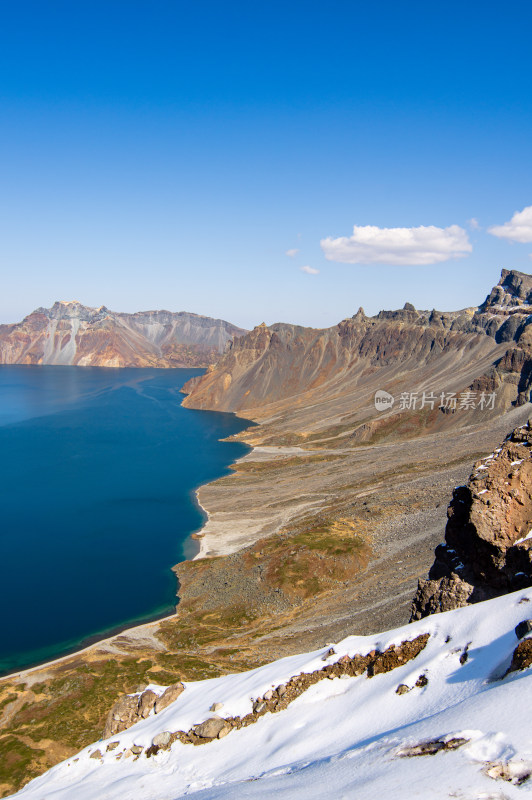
<point x="514" y="290"/>
<point x="284" y="368"/>
<point x="488" y="538"/>
<point x="73" y="334"/>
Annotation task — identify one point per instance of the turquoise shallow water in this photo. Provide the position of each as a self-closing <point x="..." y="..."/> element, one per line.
<point x="98" y="469"/>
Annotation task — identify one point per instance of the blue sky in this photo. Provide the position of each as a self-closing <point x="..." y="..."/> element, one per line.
<point x="168" y="154"/>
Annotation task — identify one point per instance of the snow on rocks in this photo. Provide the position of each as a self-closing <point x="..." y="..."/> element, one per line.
<point x="524" y="538"/>
<point x="132" y="707"/>
<point x="465" y="726"/>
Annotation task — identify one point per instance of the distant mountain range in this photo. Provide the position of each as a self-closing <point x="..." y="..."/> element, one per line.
<point x="69" y="333"/>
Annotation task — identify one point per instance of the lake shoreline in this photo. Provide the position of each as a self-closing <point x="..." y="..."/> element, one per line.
<point x="157" y="512"/>
<point x="90" y="642"/>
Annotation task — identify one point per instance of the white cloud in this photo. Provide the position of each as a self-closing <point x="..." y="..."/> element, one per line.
<point x="292" y="252"/>
<point x="310" y="270"/>
<point x="474" y="224"/>
<point x="423" y="245"/>
<point x="518" y="229"/>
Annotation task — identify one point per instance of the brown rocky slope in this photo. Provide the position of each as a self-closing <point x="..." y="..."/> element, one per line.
<point x="488" y="539"/>
<point x="312" y="393"/>
<point x="69" y="333"/>
<point x="284" y="368"/>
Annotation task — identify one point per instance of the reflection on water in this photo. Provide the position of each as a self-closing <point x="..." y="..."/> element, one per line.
<point x="27" y="392"/>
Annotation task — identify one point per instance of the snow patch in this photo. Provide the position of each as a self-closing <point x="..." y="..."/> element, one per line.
<point x="528" y="536"/>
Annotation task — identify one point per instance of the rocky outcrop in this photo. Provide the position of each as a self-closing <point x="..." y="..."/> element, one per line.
<point x="69" y="333"/>
<point x="513" y="290"/>
<point x="522" y="656"/>
<point x="488" y="539"/>
<point x="168" y="696"/>
<point x="280" y="697"/>
<point x="131" y="708"/>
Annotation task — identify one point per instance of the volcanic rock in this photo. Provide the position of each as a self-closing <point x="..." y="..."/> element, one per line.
<point x="488" y="539"/>
<point x="523" y="628"/>
<point x="69" y="333"/>
<point x="272" y="365"/>
<point x="168" y="696"/>
<point x="211" y="728"/>
<point x="130" y="709"/>
<point x="162" y="739"/>
<point x="522" y="656"/>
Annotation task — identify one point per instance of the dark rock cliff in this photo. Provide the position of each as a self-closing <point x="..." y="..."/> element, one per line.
<point x="488" y="539"/>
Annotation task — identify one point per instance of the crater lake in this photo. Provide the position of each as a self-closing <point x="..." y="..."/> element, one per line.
<point x="98" y="472"/>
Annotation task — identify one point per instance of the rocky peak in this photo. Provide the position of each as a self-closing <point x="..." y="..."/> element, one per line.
<point x="514" y="289"/>
<point x="73" y="309"/>
<point x="258" y="339"/>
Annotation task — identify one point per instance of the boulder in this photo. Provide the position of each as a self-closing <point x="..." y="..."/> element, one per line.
<point x="122" y="715"/>
<point x="162" y="739"/>
<point x="147" y="701"/>
<point x="523" y="628"/>
<point x="133" y="707"/>
<point x="168" y="696"/>
<point x="211" y="728"/>
<point x="522" y="656"/>
<point x="435" y="596"/>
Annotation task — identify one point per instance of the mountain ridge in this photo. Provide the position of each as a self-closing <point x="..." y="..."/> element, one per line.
<point x="69" y="333"/>
<point x="264" y="370"/>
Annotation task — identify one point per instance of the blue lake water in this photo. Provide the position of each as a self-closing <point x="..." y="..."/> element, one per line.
<point x="98" y="469"/>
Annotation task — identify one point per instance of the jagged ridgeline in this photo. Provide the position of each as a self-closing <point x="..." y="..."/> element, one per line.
<point x="69" y="333"/>
<point x="481" y="349"/>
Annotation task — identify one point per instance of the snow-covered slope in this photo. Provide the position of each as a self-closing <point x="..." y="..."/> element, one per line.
<point x="345" y="737"/>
